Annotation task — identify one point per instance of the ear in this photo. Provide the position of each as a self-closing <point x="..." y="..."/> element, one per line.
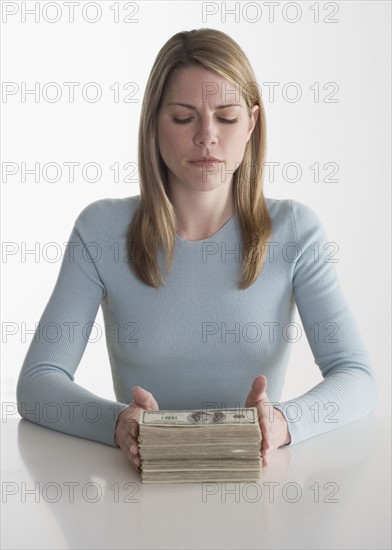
<point x="253" y="119"/>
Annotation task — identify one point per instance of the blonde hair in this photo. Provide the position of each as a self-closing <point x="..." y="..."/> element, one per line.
<point x="154" y="222"/>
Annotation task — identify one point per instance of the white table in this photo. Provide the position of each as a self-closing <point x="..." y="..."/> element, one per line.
<point x="332" y="491"/>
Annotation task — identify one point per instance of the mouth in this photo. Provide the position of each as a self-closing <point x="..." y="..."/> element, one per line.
<point x="205" y="161"/>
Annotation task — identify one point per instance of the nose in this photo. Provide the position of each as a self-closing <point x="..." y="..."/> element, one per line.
<point x="206" y="133"/>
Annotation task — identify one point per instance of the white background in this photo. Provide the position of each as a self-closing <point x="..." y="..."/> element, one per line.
<point x="353" y="132"/>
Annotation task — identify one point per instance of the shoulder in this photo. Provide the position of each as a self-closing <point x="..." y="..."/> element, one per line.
<point x="292" y="215"/>
<point x="107" y="215"/>
<point x="123" y="207"/>
<point x="288" y="207"/>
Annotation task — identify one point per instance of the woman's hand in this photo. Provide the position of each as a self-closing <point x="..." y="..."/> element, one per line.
<point x="127" y="426"/>
<point x="273" y="425"/>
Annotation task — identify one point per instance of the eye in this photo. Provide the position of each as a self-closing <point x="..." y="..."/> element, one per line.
<point x="229" y="121"/>
<point x="181" y="121"/>
<point x="222" y="120"/>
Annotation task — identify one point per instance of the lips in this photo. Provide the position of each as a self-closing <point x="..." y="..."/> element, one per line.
<point x="205" y="161"/>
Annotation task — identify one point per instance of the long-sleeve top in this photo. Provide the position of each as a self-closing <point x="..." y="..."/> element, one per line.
<point x="199" y="341"/>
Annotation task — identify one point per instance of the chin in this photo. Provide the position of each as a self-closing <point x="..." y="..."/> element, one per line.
<point x="206" y="185"/>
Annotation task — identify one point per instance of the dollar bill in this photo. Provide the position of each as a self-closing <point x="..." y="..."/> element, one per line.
<point x="200" y="416"/>
<point x="200" y="445"/>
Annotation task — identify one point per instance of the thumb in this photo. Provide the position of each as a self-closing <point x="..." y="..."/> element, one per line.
<point x="257" y="392"/>
<point x="144" y="399"/>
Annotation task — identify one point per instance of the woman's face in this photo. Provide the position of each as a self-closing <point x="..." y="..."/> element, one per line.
<point x="202" y="115"/>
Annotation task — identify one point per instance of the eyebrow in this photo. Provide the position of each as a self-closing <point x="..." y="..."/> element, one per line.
<point x="218" y="107"/>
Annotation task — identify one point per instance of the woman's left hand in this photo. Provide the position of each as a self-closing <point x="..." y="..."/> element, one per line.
<point x="273" y="425"/>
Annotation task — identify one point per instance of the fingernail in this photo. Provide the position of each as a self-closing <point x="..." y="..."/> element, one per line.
<point x="136" y="388"/>
<point x="133" y="449"/>
<point x="133" y="432"/>
<point x="137" y="462"/>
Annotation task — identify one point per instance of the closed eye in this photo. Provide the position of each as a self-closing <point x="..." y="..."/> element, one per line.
<point x="187" y="120"/>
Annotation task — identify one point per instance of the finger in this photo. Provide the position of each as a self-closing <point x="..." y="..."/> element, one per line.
<point x="130" y="441"/>
<point x="257" y="395"/>
<point x="133" y="428"/>
<point x="134" y="461"/>
<point x="128" y="431"/>
<point x="137" y="465"/>
<point x="131" y="452"/>
<point x="266" y="433"/>
<point x="257" y="392"/>
<point x="129" y="446"/>
<point x="266" y="458"/>
<point x="128" y="427"/>
<point x="134" y="449"/>
<point x="264" y="421"/>
<point x="144" y="399"/>
<point x="269" y="447"/>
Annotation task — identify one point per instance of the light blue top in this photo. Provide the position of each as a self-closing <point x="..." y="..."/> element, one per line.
<point x="199" y="341"/>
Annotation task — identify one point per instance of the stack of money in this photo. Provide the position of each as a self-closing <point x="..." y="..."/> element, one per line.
<point x="200" y="445"/>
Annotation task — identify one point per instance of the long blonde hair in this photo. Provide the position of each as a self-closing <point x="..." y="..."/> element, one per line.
<point x="154" y="222"/>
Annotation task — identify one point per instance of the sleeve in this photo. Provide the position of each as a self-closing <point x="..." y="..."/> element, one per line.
<point x="46" y="392"/>
<point x="349" y="390"/>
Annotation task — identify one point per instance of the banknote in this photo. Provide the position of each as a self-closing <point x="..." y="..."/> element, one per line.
<point x="200" y="416"/>
<point x="190" y="446"/>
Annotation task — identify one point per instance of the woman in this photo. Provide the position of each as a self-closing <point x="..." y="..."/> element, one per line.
<point x="198" y="309"/>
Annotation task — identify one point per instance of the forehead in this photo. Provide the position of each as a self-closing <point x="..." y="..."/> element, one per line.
<point x="199" y="85"/>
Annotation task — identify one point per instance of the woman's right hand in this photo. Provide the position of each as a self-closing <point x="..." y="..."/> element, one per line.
<point x="127" y="426"/>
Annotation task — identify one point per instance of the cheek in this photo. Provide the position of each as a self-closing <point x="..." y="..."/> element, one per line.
<point x="236" y="143"/>
<point x="170" y="141"/>
<point x="164" y="142"/>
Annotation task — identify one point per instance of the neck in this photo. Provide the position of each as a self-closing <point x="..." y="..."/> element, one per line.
<point x="201" y="214"/>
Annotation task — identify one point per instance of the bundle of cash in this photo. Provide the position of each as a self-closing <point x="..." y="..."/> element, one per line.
<point x="200" y="445"/>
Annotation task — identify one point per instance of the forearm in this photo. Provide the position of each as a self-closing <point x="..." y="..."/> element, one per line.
<point x="51" y="399"/>
<point x="342" y="397"/>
